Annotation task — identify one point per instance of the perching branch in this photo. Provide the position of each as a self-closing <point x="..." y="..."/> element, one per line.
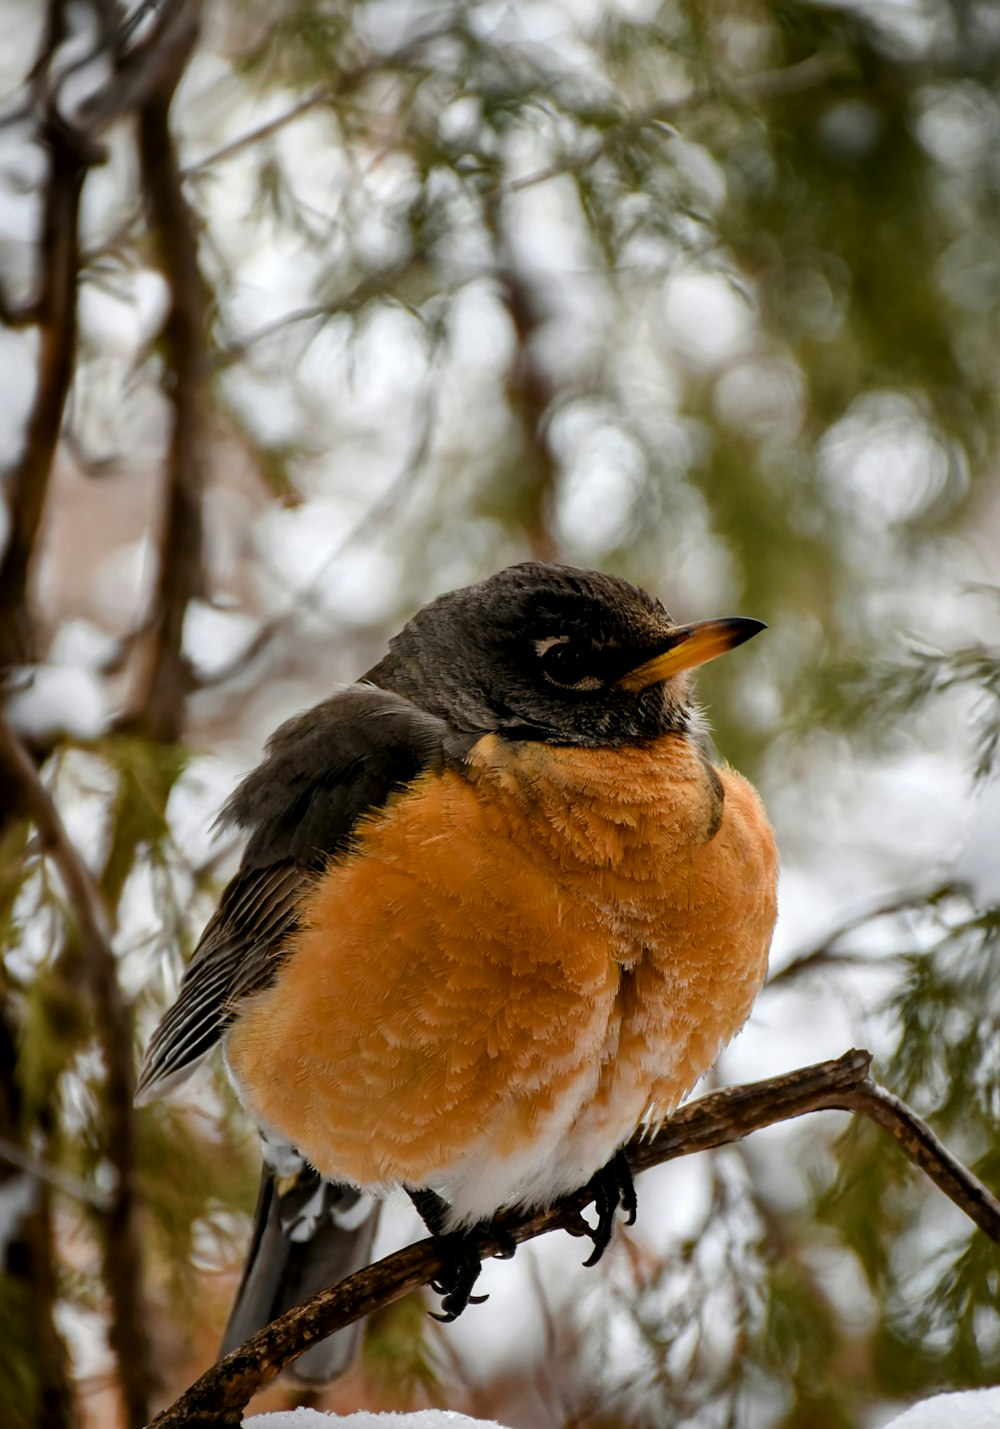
<point x="121" y="1246"/>
<point x="222" y="1393"/>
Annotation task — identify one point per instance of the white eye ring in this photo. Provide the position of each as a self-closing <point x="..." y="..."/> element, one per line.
<point x="589" y="682"/>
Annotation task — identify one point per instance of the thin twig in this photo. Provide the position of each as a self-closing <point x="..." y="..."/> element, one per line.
<point x="73" y="147"/>
<point x="723" y="1117"/>
<point x="52" y="1176"/>
<point x="809" y="73"/>
<point x="828" y="953"/>
<point x="306" y="596"/>
<point x="81" y="890"/>
<point x="347" y="81"/>
<point x="324" y="95"/>
<point x="373" y="285"/>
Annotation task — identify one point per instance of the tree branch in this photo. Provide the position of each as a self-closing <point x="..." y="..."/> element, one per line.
<point x="221" y="1394"/>
<point x="924" y="1149"/>
<point x="164" y="678"/>
<point x="147" y="71"/>
<point x="151" y="65"/>
<point x="121" y="1245"/>
<point x="531" y="391"/>
<point x="54" y="311"/>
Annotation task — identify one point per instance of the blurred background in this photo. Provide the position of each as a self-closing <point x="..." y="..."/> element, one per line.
<point x="316" y="308"/>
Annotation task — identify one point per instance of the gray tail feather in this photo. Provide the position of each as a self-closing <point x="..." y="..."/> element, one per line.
<point x="307" y="1234"/>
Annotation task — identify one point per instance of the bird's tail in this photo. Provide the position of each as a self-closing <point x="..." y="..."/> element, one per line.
<point x="307" y="1234"/>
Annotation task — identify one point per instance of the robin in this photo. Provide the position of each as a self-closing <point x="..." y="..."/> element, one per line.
<point x="498" y="910"/>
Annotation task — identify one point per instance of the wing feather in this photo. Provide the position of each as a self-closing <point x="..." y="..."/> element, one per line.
<point x="323" y="770"/>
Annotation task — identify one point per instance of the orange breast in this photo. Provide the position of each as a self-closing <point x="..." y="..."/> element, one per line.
<point x="516" y="963"/>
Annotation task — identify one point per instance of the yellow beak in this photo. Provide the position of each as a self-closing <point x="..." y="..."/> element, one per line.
<point x="691" y="646"/>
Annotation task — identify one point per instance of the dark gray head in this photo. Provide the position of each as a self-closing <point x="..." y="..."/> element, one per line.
<point x="555" y="653"/>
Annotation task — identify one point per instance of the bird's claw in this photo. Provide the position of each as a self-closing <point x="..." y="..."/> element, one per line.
<point x="461" y="1257"/>
<point x="612" y="1187"/>
<point x="460" y="1267"/>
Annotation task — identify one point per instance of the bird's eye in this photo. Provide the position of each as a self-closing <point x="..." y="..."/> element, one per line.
<point x="567" y="664"/>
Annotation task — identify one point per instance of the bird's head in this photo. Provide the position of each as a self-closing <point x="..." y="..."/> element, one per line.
<point x="555" y="653"/>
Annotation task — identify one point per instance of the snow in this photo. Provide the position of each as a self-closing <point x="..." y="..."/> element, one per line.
<point x="56" y="699"/>
<point x="971" y="1409"/>
<point x="17" y="1198"/>
<point x="420" y="1419"/>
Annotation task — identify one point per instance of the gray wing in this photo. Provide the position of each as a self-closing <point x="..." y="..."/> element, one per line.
<point x="239" y="952"/>
<point x="323" y="770"/>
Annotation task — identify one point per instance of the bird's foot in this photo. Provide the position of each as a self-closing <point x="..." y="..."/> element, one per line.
<point x="461" y="1254"/>
<point x="460" y="1267"/>
<point x="612" y="1187"/>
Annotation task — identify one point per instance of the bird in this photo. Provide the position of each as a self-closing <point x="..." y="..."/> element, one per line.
<point x="499" y="909"/>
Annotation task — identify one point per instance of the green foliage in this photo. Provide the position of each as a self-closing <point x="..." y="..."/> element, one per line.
<point x="559" y="177"/>
<point x="187" y="1213"/>
<point x="397" y="1356"/>
<point x="54" y="1024"/>
<point x="802" y="1346"/>
<point x="146" y="773"/>
<point x="937" y="1316"/>
<point x="791" y="151"/>
<point x="17" y="1357"/>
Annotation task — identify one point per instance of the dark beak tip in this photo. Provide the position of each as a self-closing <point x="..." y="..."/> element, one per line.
<point x="742" y="628"/>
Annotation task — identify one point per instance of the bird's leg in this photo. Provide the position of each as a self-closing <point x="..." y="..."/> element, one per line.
<point x="432" y="1210"/>
<point x="461" y="1260"/>
<point x="610" y="1187"/>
